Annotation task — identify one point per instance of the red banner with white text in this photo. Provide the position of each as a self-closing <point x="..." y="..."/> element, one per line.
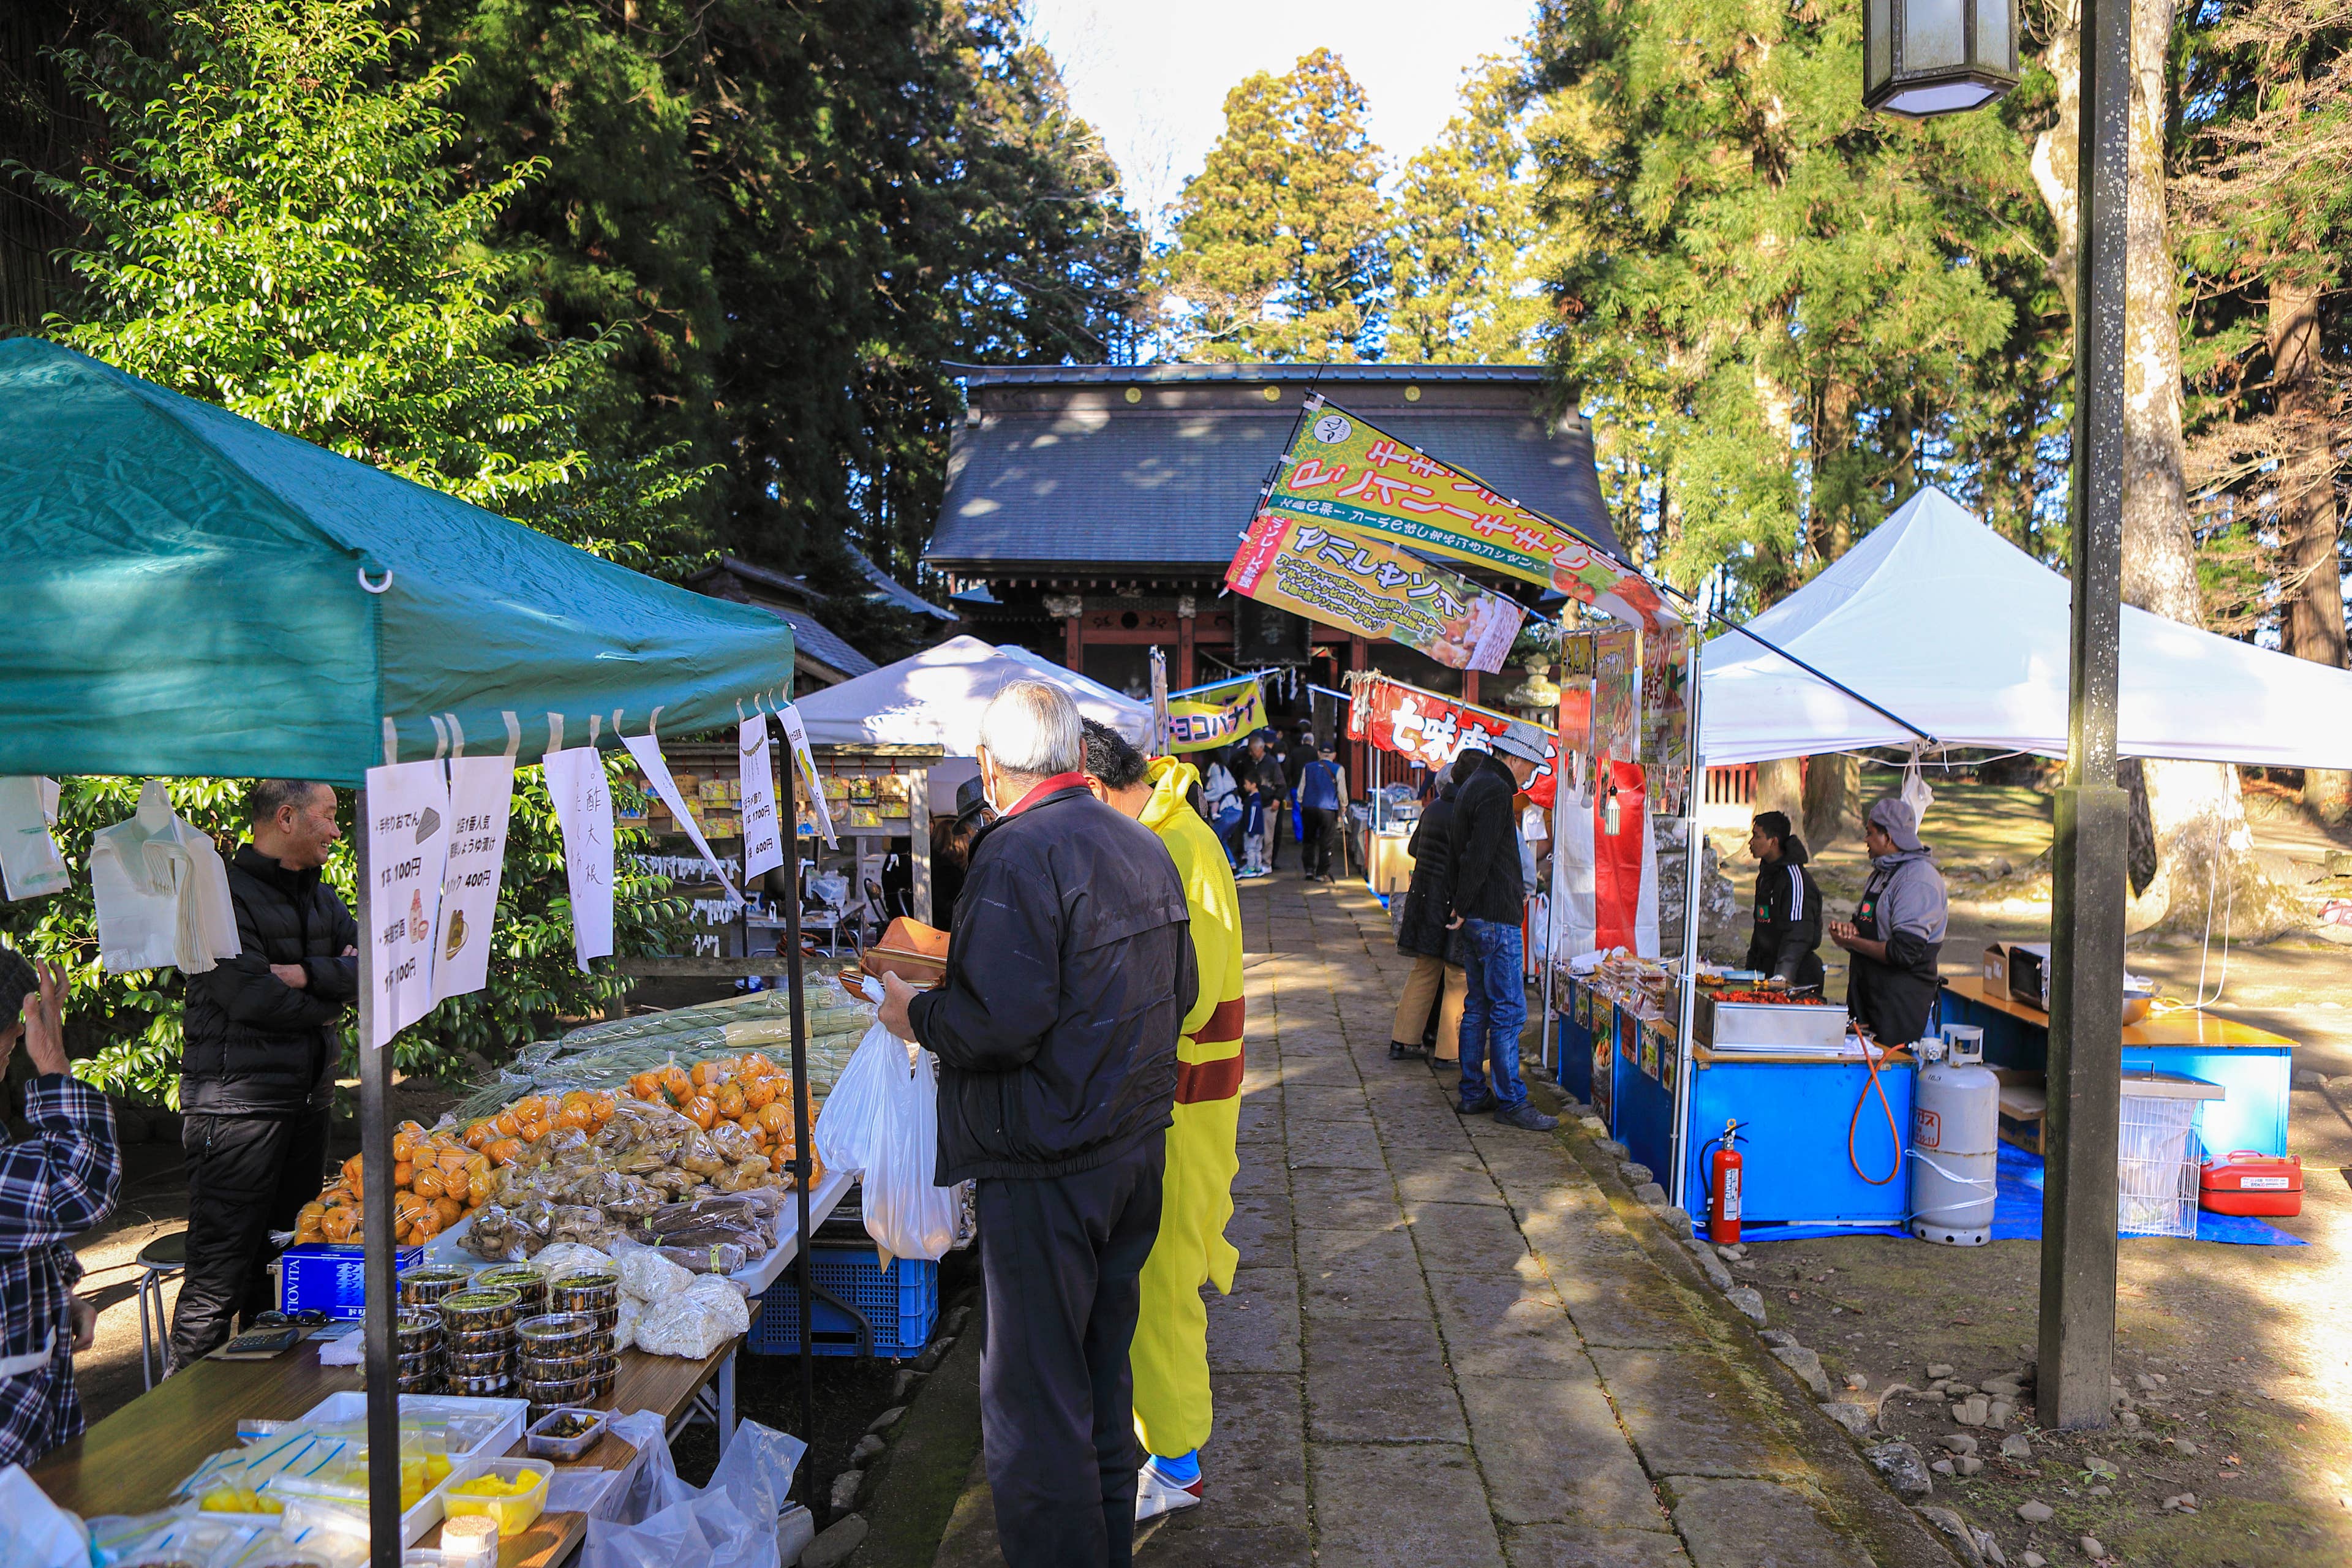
<point x="1432" y="728"/>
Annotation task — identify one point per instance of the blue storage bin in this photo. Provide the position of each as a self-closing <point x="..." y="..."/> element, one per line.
<point x="321" y="1276"/>
<point x="901" y="1303"/>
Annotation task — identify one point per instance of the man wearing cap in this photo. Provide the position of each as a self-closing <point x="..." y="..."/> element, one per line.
<point x="1486" y="895"/>
<point x="1896" y="931"/>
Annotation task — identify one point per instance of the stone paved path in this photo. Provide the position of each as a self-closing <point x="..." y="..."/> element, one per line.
<point x="1447" y="1345"/>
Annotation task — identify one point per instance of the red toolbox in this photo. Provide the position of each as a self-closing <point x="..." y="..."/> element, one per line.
<point x="2245" y="1183"/>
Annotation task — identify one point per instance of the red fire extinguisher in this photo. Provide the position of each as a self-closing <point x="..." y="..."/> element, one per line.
<point x="1723" y="1190"/>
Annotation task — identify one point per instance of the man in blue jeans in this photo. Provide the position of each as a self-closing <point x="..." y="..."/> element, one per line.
<point x="1486" y="894"/>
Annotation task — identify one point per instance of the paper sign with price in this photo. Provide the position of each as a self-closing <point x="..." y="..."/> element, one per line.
<point x="408" y="842"/>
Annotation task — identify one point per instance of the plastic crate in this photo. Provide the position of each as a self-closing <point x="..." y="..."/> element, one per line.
<point x="901" y="1303"/>
<point x="2156" y="1167"/>
<point x="321" y="1276"/>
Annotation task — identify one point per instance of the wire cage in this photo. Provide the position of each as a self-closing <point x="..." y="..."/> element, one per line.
<point x="2155" y="1167"/>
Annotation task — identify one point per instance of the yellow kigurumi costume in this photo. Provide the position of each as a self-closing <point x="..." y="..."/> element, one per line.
<point x="1171" y="1358"/>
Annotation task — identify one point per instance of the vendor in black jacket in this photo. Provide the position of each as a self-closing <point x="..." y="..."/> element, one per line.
<point x="1486" y="891"/>
<point x="1787" y="904"/>
<point x="1069" y="972"/>
<point x="259" y="1060"/>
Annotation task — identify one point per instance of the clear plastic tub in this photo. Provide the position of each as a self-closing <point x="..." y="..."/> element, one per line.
<point x="541" y="1443"/>
<point x="515" y="1512"/>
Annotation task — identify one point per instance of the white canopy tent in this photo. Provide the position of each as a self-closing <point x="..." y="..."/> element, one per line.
<point x="1939" y="619"/>
<point x="935" y="697"/>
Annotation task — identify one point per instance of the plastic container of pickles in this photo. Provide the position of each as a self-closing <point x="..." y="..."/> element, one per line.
<point x="511" y="1491"/>
<point x="557" y="1334"/>
<point x="584" y="1293"/>
<point x="426" y="1283"/>
<point x="528" y="1285"/>
<point x="479" y="1363"/>
<point x="471" y="1311"/>
<point x="565" y="1434"/>
<point x="486" y="1385"/>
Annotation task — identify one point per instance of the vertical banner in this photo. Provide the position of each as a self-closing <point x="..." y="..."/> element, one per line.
<point x="647" y="751"/>
<point x="796" y="740"/>
<point x="1217" y="715"/>
<point x="408" y="844"/>
<point x="1159" y="746"/>
<point x="584" y="809"/>
<point x="1616" y="695"/>
<point x="481" y="802"/>
<point x="1577" y="654"/>
<point x="763" y="832"/>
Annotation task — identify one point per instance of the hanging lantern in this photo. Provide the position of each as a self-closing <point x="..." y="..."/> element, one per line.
<point x="1921" y="57"/>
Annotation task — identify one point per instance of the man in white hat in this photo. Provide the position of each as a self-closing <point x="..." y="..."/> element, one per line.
<point x="1486" y="896"/>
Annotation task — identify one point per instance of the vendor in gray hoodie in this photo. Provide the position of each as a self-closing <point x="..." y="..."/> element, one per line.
<point x="1896" y="931"/>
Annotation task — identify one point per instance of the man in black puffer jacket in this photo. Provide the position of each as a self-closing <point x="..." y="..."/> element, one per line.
<point x="1069" y="972"/>
<point x="1487" y="891"/>
<point x="258" y="1063"/>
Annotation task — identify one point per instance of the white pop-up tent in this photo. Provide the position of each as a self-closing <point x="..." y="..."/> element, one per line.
<point x="1941" y="620"/>
<point x="934" y="698"/>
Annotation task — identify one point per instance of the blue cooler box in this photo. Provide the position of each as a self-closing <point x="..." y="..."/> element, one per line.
<point x="321" y="1276"/>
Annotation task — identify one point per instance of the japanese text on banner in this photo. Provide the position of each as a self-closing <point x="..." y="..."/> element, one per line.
<point x="763" y="834"/>
<point x="408" y="843"/>
<point x="1341" y="470"/>
<point x="647" y="751"/>
<point x="1366" y="585"/>
<point x="583" y="809"/>
<point x="481" y="800"/>
<point x="1432" y="728"/>
<point x="796" y="741"/>
<point x="1215" y="715"/>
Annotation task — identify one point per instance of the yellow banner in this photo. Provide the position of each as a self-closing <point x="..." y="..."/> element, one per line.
<point x="1341" y="470"/>
<point x="1367" y="586"/>
<point x="1215" y="715"/>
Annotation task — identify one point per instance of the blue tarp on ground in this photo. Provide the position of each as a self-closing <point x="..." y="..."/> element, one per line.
<point x="2017" y="1215"/>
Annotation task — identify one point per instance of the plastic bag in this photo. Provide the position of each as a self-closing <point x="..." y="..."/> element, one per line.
<point x="35" y="1532"/>
<point x="647" y="1274"/>
<point x="906" y="1214"/>
<point x="843" y="1134"/>
<point x="571" y="1257"/>
<point x="695" y="1321"/>
<point x="731" y="1523"/>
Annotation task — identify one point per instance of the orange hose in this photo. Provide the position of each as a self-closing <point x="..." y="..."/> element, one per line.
<point x="1853" y="1124"/>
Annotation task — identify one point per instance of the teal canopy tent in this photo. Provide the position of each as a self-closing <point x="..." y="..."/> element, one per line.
<point x="191" y="592"/>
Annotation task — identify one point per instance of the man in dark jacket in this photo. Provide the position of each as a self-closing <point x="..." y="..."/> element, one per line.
<point x="1070" y="970"/>
<point x="259" y="1060"/>
<point x="1273" y="793"/>
<point x="1488" y="898"/>
<point x="1787" y="904"/>
<point x="1436" y="980"/>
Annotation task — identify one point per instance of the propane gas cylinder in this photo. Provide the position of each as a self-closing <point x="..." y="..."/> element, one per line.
<point x="1955" y="1142"/>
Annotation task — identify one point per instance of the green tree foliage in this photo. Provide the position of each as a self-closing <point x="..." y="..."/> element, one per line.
<point x="1464" y="245"/>
<point x="1778" y="305"/>
<point x="275" y="226"/>
<point x="1281" y="248"/>
<point x="125" y="1029"/>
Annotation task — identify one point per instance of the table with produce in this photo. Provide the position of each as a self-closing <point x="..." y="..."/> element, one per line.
<point x="592" y="1235"/>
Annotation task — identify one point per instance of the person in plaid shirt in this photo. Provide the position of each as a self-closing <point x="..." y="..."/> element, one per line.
<point x="53" y="1186"/>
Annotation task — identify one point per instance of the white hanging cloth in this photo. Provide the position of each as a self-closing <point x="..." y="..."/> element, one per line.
<point x="583" y="809"/>
<point x="30" y="865"/>
<point x="162" y="892"/>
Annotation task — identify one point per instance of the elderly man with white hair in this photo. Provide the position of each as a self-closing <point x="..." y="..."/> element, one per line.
<point x="1070" y="971"/>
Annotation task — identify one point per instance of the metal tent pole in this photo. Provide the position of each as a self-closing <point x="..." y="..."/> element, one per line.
<point x="788" y="820"/>
<point x="1694" y="854"/>
<point x="377" y="1257"/>
<point x="2086" y="925"/>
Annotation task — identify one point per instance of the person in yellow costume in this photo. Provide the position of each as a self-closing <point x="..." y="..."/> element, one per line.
<point x="1169" y="1359"/>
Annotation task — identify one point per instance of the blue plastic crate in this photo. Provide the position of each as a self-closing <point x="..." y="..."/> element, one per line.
<point x="320" y="1276"/>
<point x="901" y="1303"/>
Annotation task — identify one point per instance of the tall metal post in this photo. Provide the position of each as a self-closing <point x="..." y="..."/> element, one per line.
<point x="1694" y="888"/>
<point x="375" y="1208"/>
<point x="2085" y="1068"/>
<point x="789" y="821"/>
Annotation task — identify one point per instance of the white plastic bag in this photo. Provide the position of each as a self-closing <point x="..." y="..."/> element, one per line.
<point x="35" y="1532"/>
<point x="695" y="1321"/>
<point x="731" y="1523"/>
<point x="906" y="1214"/>
<point x="844" y="1132"/>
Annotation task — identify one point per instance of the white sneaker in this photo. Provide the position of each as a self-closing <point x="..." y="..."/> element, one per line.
<point x="1155" y="1494"/>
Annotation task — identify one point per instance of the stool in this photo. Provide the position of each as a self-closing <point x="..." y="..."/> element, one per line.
<point x="157" y="1261"/>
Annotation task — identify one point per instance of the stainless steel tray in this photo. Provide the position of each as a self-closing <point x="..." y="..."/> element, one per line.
<point x="1793" y="1026"/>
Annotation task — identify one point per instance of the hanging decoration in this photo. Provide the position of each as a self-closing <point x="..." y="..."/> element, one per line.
<point x="1364" y="586"/>
<point x="812" y="788"/>
<point x="646" y="750"/>
<point x="1341" y="470"/>
<point x="481" y="803"/>
<point x="583" y="809"/>
<point x="763" y="834"/>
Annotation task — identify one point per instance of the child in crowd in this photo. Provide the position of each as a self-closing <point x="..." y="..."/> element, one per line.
<point x="1253" y="828"/>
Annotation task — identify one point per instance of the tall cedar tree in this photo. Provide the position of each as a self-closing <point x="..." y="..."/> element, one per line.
<point x="1463" y="248"/>
<point x="1281" y="239"/>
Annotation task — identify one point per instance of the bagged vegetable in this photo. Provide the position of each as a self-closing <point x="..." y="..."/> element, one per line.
<point x="646" y="1274"/>
<point x="696" y="1321"/>
<point x="570" y="1258"/>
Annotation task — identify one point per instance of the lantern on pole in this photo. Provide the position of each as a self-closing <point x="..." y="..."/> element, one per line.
<point x="1921" y="57"/>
